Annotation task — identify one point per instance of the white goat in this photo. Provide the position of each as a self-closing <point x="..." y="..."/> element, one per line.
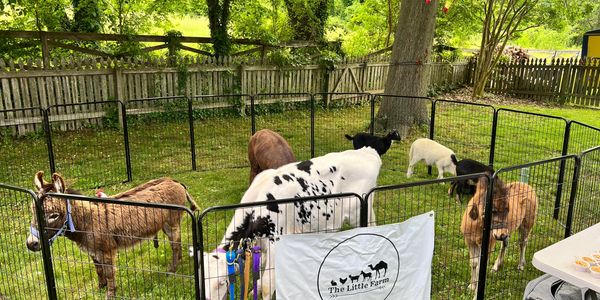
<point x="433" y="153"/>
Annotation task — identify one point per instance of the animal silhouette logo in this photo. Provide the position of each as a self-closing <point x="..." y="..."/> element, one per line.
<point x="380" y="265"/>
<point x="369" y="273"/>
<point x="365" y="275"/>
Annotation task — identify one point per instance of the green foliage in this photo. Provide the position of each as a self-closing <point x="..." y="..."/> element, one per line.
<point x="308" y="18"/>
<point x="87" y="16"/>
<point x="110" y="120"/>
<point x="218" y="16"/>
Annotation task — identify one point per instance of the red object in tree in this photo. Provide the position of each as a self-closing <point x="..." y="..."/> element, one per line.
<point x="427" y="1"/>
<point x="445" y="9"/>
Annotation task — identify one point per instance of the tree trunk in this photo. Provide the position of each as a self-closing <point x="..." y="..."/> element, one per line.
<point x="218" y="17"/>
<point x="409" y="71"/>
<point x="307" y="18"/>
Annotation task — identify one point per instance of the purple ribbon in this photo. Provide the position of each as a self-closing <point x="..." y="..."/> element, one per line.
<point x="255" y="269"/>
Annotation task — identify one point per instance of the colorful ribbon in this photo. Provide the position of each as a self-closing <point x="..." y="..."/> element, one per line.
<point x="230" y="257"/>
<point x="241" y="259"/>
<point x="247" y="272"/>
<point x="255" y="269"/>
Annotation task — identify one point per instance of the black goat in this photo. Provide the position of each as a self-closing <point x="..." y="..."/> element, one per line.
<point x="465" y="167"/>
<point x="381" y="144"/>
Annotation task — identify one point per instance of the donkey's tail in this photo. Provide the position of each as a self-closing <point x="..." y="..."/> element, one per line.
<point x="194" y="205"/>
<point x="189" y="198"/>
<point x="349" y="136"/>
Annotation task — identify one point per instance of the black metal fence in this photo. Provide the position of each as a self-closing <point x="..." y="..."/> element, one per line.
<point x="133" y="133"/>
<point x="212" y="132"/>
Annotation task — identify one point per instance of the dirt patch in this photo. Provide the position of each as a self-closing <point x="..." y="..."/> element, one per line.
<point x="464" y="94"/>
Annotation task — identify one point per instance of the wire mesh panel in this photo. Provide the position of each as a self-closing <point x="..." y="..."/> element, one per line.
<point x="258" y="221"/>
<point x="159" y="136"/>
<point x="516" y="215"/>
<point x="583" y="137"/>
<point x="134" y="250"/>
<point x="466" y="128"/>
<point x="523" y="137"/>
<point x="395" y="161"/>
<point x="290" y="116"/>
<point x="450" y="264"/>
<point x="586" y="212"/>
<point x="338" y="114"/>
<point x="222" y="128"/>
<point x="21" y="271"/>
<point x="22" y="150"/>
<point x="88" y="142"/>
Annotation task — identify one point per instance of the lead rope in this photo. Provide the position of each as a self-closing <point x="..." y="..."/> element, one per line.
<point x="230" y="256"/>
<point x="248" y="255"/>
<point x="241" y="260"/>
<point x="255" y="268"/>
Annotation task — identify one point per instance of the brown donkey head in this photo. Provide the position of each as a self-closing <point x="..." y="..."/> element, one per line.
<point x="56" y="211"/>
<point x="500" y="207"/>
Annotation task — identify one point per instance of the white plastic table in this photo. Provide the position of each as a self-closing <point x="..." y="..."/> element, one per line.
<point x="557" y="259"/>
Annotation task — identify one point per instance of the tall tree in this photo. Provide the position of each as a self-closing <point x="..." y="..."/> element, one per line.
<point x="218" y="17"/>
<point x="308" y="18"/>
<point x="502" y="20"/>
<point x="409" y="72"/>
<point x="86" y="17"/>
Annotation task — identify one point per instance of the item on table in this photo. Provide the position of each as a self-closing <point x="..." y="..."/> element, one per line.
<point x="581" y="265"/>
<point x="595" y="270"/>
<point x="588" y="259"/>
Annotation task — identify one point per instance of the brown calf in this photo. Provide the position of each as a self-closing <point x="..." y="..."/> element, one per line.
<point x="514" y="207"/>
<point x="102" y="229"/>
<point x="268" y="150"/>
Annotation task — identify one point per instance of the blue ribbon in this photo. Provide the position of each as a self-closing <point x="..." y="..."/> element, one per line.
<point x="230" y="256"/>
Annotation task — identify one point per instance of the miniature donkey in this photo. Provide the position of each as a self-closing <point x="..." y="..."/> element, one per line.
<point x="100" y="229"/>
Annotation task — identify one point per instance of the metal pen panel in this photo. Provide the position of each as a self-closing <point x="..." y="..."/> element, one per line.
<point x="222" y="129"/>
<point x="23" y="145"/>
<point x="87" y="142"/>
<point x="288" y="114"/>
<point x="159" y="136"/>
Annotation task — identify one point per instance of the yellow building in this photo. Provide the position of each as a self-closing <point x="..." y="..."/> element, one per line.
<point x="591" y="44"/>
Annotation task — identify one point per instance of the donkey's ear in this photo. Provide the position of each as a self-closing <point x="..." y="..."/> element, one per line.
<point x="38" y="180"/>
<point x="59" y="183"/>
<point x="474" y="213"/>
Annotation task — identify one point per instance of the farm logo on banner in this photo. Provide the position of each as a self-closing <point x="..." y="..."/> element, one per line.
<point x="383" y="262"/>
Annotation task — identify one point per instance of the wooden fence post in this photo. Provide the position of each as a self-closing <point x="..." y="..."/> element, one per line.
<point x="363" y="79"/>
<point x="325" y="87"/>
<point x="565" y="85"/>
<point x="45" y="50"/>
<point x="118" y="86"/>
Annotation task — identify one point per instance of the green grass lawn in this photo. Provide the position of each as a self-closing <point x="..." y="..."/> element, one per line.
<point x="94" y="158"/>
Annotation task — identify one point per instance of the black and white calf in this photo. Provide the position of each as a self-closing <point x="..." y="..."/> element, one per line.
<point x="465" y="167"/>
<point x="352" y="171"/>
<point x="381" y="144"/>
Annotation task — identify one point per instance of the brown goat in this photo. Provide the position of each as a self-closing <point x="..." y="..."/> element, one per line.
<point x="102" y="229"/>
<point x="514" y="207"/>
<point x="268" y="150"/>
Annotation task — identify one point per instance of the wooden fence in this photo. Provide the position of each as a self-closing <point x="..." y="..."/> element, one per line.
<point x="27" y="84"/>
<point x="573" y="81"/>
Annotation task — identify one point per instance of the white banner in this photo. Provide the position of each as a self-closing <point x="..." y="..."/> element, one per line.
<point x="383" y="262"/>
